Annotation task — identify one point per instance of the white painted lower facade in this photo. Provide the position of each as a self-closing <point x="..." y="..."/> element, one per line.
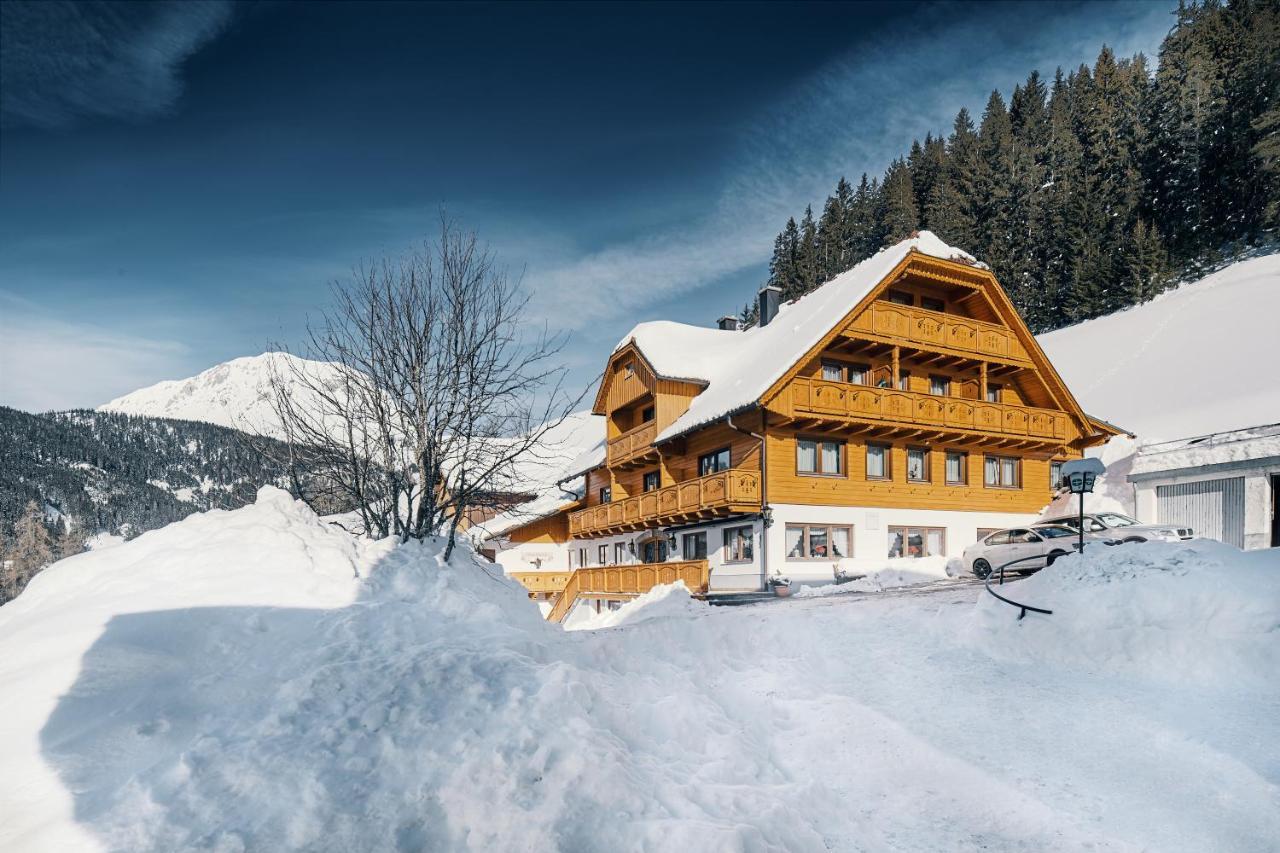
<point x="871" y="529"/>
<point x="530" y="556"/>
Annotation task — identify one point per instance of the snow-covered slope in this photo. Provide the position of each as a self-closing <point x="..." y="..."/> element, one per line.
<point x="259" y="680"/>
<point x="1198" y="359"/>
<point x="235" y="394"/>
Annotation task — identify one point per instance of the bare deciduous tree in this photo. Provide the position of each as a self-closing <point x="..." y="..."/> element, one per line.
<point x="433" y="392"/>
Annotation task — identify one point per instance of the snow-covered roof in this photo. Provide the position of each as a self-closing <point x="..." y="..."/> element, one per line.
<point x="1193" y="361"/>
<point x="1214" y="449"/>
<point x="739" y="366"/>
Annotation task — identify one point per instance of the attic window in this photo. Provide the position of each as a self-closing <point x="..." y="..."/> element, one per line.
<point x="901" y="297"/>
<point x="930" y="304"/>
<point x="629" y="368"/>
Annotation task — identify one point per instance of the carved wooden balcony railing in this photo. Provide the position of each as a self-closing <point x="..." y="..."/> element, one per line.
<point x="627" y="581"/>
<point x="537" y="582"/>
<point x="939" y="331"/>
<point x="822" y="398"/>
<point x="633" y="445"/>
<point x="722" y="493"/>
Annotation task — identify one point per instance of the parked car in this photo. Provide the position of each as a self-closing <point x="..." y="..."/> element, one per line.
<point x="1120" y="528"/>
<point x="1047" y="542"/>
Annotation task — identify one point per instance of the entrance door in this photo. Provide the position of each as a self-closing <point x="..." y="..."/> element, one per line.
<point x="1213" y="508"/>
<point x="654" y="551"/>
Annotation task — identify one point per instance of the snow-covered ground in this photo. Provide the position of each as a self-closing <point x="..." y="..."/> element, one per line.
<point x="258" y="680"/>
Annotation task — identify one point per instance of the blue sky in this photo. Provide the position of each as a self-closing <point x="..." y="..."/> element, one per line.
<point x="179" y="183"/>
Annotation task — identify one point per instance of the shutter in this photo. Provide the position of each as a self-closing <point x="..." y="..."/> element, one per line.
<point x="1214" y="508"/>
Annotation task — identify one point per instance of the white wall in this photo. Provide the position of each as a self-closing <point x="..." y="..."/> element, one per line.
<point x="530" y="556"/>
<point x="871" y="534"/>
<point x="1257" y="498"/>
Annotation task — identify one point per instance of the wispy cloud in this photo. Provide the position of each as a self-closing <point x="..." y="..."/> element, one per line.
<point x="63" y="61"/>
<point x="49" y="363"/>
<point x="854" y="115"/>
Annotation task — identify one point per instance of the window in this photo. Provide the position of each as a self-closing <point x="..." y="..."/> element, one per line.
<point x="984" y="532"/>
<point x="646" y="414"/>
<point x="904" y="380"/>
<point x="832" y="371"/>
<point x="957" y="468"/>
<point x="738" y="545"/>
<point x="917" y="464"/>
<point x="857" y="373"/>
<point x="629" y="368"/>
<point x="582" y="558"/>
<point x="606" y="494"/>
<point x="931" y="304"/>
<point x="821" y="457"/>
<point x="716" y="460"/>
<point x="651" y="481"/>
<point x="619" y="553"/>
<point x="901" y="297"/>
<point x="602" y="553"/>
<point x="940" y="385"/>
<point x="877" y="462"/>
<point x="818" y="541"/>
<point x="1055" y="475"/>
<point x="998" y="538"/>
<point x="917" y="542"/>
<point x="1002" y="472"/>
<point x="693" y="546"/>
<point x="993" y="393"/>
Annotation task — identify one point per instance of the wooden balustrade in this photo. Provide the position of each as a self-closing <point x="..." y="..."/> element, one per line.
<point x="633" y="444"/>
<point x="629" y="581"/>
<point x="537" y="582"/>
<point x="936" y="330"/>
<point x="846" y="401"/>
<point x="734" y="490"/>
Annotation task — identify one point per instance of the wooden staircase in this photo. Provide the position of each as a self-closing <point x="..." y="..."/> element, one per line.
<point x="614" y="582"/>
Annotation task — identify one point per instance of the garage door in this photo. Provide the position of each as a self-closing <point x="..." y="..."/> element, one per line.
<point x="1215" y="508"/>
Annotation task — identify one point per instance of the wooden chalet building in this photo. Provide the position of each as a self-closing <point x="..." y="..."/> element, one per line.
<point x="898" y="411"/>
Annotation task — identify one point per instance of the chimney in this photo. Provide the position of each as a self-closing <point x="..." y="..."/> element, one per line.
<point x="769" y="299"/>
<point x="728" y="323"/>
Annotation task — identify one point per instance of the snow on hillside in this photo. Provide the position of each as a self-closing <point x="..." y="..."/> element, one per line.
<point x="1198" y="359"/>
<point x="258" y="680"/>
<point x="235" y="394"/>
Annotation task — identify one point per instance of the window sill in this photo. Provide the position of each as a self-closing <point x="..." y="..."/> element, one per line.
<point x="919" y="482"/>
<point x="1002" y="488"/>
<point x="820" y="475"/>
<point x="737" y="562"/>
<point x="817" y="559"/>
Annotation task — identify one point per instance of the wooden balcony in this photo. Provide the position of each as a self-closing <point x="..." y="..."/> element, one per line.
<point x="934" y="330"/>
<point x="542" y="582"/>
<point x="841" y="401"/>
<point x="628" y="582"/>
<point x="722" y="493"/>
<point x="635" y="446"/>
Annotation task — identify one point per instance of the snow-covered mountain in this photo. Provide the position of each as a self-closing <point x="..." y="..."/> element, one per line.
<point x="234" y="394"/>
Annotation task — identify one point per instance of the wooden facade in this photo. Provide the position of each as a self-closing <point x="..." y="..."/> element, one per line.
<point x="932" y="377"/>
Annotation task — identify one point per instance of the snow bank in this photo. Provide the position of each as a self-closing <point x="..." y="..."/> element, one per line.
<point x="665" y="601"/>
<point x="1198" y="611"/>
<point x="895" y="574"/>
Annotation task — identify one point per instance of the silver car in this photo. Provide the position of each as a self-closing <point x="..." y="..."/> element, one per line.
<point x="1032" y="547"/>
<point x="1118" y="528"/>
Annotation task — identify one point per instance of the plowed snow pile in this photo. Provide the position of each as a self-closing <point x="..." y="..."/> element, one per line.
<point x="259" y="681"/>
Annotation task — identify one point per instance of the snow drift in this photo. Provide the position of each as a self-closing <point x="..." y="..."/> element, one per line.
<point x="259" y="680"/>
<point x="1173" y="611"/>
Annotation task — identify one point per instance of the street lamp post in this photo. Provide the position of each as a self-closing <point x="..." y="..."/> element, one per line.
<point x="1081" y="474"/>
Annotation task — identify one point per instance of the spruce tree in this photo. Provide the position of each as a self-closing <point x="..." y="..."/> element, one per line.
<point x="897" y="218"/>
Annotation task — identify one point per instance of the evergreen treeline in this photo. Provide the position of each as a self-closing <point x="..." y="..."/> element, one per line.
<point x="1084" y="194"/>
<point x="66" y="476"/>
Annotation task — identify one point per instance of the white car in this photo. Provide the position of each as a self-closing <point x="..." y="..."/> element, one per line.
<point x="1035" y="547"/>
<point x="1119" y="528"/>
